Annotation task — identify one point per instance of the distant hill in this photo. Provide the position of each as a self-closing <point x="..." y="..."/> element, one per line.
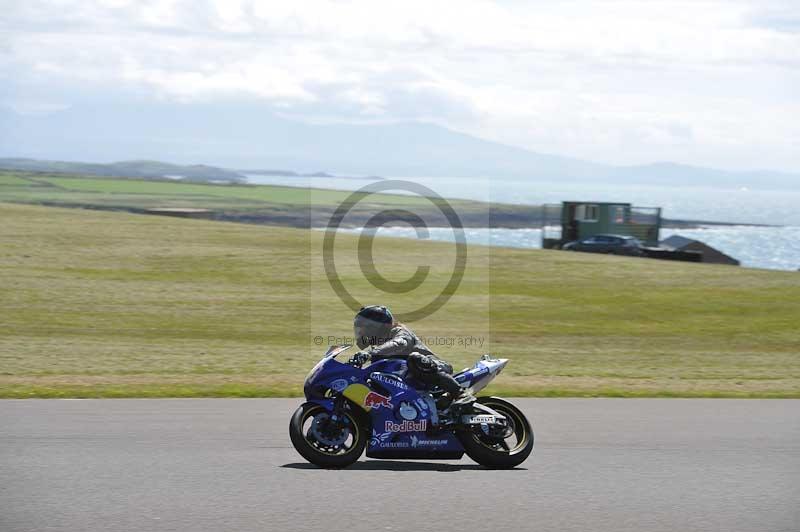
<point x="291" y="173"/>
<point x="146" y="169"/>
<point x="249" y="135"/>
<point x="681" y="174"/>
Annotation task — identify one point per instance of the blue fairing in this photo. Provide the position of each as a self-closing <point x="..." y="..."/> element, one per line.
<point x="402" y="419"/>
<point x="396" y="366"/>
<point x="331" y="375"/>
<point x="327" y="404"/>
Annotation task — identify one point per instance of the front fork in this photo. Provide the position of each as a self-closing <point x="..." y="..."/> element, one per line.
<point x="339" y="406"/>
<point x="336" y="407"/>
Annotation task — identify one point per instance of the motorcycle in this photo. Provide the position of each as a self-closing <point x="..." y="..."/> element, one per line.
<point x="349" y="408"/>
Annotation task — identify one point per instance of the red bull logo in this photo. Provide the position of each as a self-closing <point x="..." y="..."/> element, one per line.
<point x="406" y="426"/>
<point x="376" y="400"/>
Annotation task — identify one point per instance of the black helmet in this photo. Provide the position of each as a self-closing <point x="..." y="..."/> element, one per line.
<point x="372" y="325"/>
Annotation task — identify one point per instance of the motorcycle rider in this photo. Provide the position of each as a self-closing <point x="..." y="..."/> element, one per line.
<point x="379" y="336"/>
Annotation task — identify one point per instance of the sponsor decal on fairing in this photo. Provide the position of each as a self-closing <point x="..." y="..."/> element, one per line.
<point x="376" y="400"/>
<point x="479" y="372"/>
<point x="376" y="438"/>
<point x="422" y="406"/>
<point x="480" y="419"/>
<point x="339" y="385"/>
<point x="406" y="426"/>
<point x="416" y="442"/>
<point x="379" y="440"/>
<point x="395" y="445"/>
<point x="391" y="381"/>
<point x="407" y="411"/>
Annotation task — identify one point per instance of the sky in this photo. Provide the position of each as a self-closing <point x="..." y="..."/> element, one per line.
<point x="704" y="83"/>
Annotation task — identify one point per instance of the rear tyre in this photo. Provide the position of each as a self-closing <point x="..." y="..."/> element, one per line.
<point x="500" y="450"/>
<point x="326" y="442"/>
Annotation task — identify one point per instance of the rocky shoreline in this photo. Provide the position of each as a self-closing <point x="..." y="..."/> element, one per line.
<point x="498" y="217"/>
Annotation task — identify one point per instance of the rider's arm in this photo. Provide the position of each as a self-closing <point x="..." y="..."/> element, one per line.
<point x="400" y="346"/>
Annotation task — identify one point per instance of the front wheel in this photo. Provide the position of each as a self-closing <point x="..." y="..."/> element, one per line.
<point x="325" y="441"/>
<point x="499" y="448"/>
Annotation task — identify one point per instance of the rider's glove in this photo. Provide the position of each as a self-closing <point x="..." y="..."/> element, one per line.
<point x="361" y="357"/>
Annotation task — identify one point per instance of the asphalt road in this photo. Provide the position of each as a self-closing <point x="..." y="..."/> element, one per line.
<point x="222" y="465"/>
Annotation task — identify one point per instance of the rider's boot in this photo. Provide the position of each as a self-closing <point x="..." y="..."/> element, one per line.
<point x="443" y="402"/>
<point x="447" y="404"/>
<point x="465" y="397"/>
<point x="450" y="404"/>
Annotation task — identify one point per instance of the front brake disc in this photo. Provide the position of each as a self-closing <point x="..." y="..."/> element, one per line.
<point x="327" y="432"/>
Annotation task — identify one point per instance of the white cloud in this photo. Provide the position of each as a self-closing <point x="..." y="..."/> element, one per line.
<point x="701" y="82"/>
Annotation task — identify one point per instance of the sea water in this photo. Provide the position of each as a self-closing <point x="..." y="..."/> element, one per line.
<point x="757" y="247"/>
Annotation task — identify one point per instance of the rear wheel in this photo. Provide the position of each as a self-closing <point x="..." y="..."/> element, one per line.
<point x="325" y="441"/>
<point x="501" y="447"/>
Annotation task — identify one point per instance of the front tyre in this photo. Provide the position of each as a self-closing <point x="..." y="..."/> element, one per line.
<point x="324" y="441"/>
<point x="499" y="449"/>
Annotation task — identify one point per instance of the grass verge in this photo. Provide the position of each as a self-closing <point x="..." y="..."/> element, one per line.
<point x="99" y="304"/>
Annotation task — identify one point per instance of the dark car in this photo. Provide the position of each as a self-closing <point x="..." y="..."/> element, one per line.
<point x="613" y="244"/>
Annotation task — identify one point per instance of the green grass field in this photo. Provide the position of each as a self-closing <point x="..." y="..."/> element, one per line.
<point x="100" y="304"/>
<point x="29" y="187"/>
<point x="276" y="205"/>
